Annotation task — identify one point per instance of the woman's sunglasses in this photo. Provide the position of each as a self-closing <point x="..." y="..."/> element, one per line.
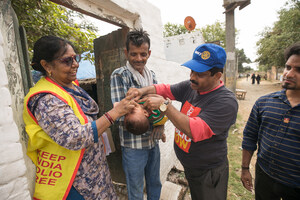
<point x="69" y="60"/>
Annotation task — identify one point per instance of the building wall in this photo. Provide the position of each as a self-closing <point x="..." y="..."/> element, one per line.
<point x="180" y="48"/>
<point x="14" y="165"/>
<point x="16" y="170"/>
<point x="275" y="73"/>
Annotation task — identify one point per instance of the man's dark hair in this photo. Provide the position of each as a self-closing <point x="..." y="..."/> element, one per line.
<point x="215" y="70"/>
<point x="137" y="38"/>
<point x="135" y="125"/>
<point x="292" y="50"/>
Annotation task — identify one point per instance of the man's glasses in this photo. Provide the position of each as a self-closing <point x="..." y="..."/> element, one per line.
<point x="69" y="60"/>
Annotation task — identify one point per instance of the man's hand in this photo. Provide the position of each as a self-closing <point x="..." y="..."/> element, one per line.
<point x="135" y="92"/>
<point x="158" y="132"/>
<point x="246" y="179"/>
<point x="139" y="92"/>
<point x="152" y="102"/>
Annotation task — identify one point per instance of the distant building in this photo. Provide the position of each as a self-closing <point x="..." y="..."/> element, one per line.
<point x="180" y="48"/>
<point x="275" y="73"/>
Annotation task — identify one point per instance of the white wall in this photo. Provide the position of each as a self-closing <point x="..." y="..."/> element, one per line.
<point x="166" y="72"/>
<point x="13" y="170"/>
<point x="180" y="48"/>
<point x="169" y="73"/>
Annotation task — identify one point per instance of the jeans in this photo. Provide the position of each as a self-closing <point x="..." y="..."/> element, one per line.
<point x="140" y="163"/>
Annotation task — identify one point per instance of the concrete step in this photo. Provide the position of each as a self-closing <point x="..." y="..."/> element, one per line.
<point x="170" y="191"/>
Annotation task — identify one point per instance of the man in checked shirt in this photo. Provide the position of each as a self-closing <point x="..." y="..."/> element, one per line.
<point x="140" y="153"/>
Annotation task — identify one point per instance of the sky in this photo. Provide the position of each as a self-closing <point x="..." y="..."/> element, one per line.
<point x="250" y="21"/>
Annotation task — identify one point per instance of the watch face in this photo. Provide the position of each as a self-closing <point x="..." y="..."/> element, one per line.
<point x="163" y="107"/>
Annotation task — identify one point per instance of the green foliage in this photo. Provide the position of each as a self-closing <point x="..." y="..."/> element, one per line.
<point x="211" y="33"/>
<point x="247" y="69"/>
<point x="42" y="17"/>
<point x="236" y="190"/>
<point x="241" y="58"/>
<point x="285" y="32"/>
<point x="263" y="68"/>
<point x="174" y="29"/>
<point x="215" y="33"/>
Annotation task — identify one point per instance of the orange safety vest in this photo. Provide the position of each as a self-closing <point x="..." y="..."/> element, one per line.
<point x="56" y="166"/>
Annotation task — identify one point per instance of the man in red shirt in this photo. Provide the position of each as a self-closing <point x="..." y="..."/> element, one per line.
<point x="208" y="110"/>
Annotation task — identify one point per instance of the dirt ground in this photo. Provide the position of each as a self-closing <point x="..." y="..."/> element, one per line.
<point x="253" y="93"/>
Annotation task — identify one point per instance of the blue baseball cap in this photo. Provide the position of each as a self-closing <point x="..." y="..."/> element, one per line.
<point x="205" y="57"/>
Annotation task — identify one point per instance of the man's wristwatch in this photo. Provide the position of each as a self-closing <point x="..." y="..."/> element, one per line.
<point x="163" y="107"/>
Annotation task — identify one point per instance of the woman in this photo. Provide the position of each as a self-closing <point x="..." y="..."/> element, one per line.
<point x="253" y="77"/>
<point x="64" y="133"/>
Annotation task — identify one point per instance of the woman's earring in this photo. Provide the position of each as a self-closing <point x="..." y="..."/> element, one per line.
<point x="49" y="74"/>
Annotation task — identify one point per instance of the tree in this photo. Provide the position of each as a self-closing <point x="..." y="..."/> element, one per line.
<point x="174" y="29"/>
<point x="211" y="33"/>
<point x="42" y="17"/>
<point x="285" y="32"/>
<point x="247" y="69"/>
<point x="241" y="59"/>
<point x="215" y="32"/>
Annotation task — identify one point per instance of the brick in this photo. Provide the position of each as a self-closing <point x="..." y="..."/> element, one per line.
<point x="5" y="99"/>
<point x="6" y="114"/>
<point x="12" y="171"/>
<point x="15" y="190"/>
<point x="3" y="75"/>
<point x="10" y="153"/>
<point x="9" y="133"/>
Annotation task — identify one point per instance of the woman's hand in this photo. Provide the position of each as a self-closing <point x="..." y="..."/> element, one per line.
<point x="125" y="105"/>
<point x="120" y="109"/>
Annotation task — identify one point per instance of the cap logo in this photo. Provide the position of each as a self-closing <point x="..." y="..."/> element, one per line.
<point x="198" y="53"/>
<point x="205" y="55"/>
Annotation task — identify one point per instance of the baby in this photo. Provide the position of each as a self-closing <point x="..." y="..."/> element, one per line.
<point x="139" y="119"/>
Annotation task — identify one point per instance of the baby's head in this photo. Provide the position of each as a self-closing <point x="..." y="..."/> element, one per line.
<point x="136" y="122"/>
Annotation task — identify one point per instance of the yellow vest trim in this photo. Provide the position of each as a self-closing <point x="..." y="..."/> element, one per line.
<point x="56" y="166"/>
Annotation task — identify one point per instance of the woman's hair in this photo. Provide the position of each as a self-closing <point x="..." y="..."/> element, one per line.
<point x="48" y="48"/>
<point x="136" y="124"/>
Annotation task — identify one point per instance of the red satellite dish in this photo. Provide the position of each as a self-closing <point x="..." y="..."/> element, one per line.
<point x="189" y="23"/>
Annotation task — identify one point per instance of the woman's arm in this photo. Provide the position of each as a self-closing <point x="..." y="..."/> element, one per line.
<point x="120" y="109"/>
<point x="58" y="120"/>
